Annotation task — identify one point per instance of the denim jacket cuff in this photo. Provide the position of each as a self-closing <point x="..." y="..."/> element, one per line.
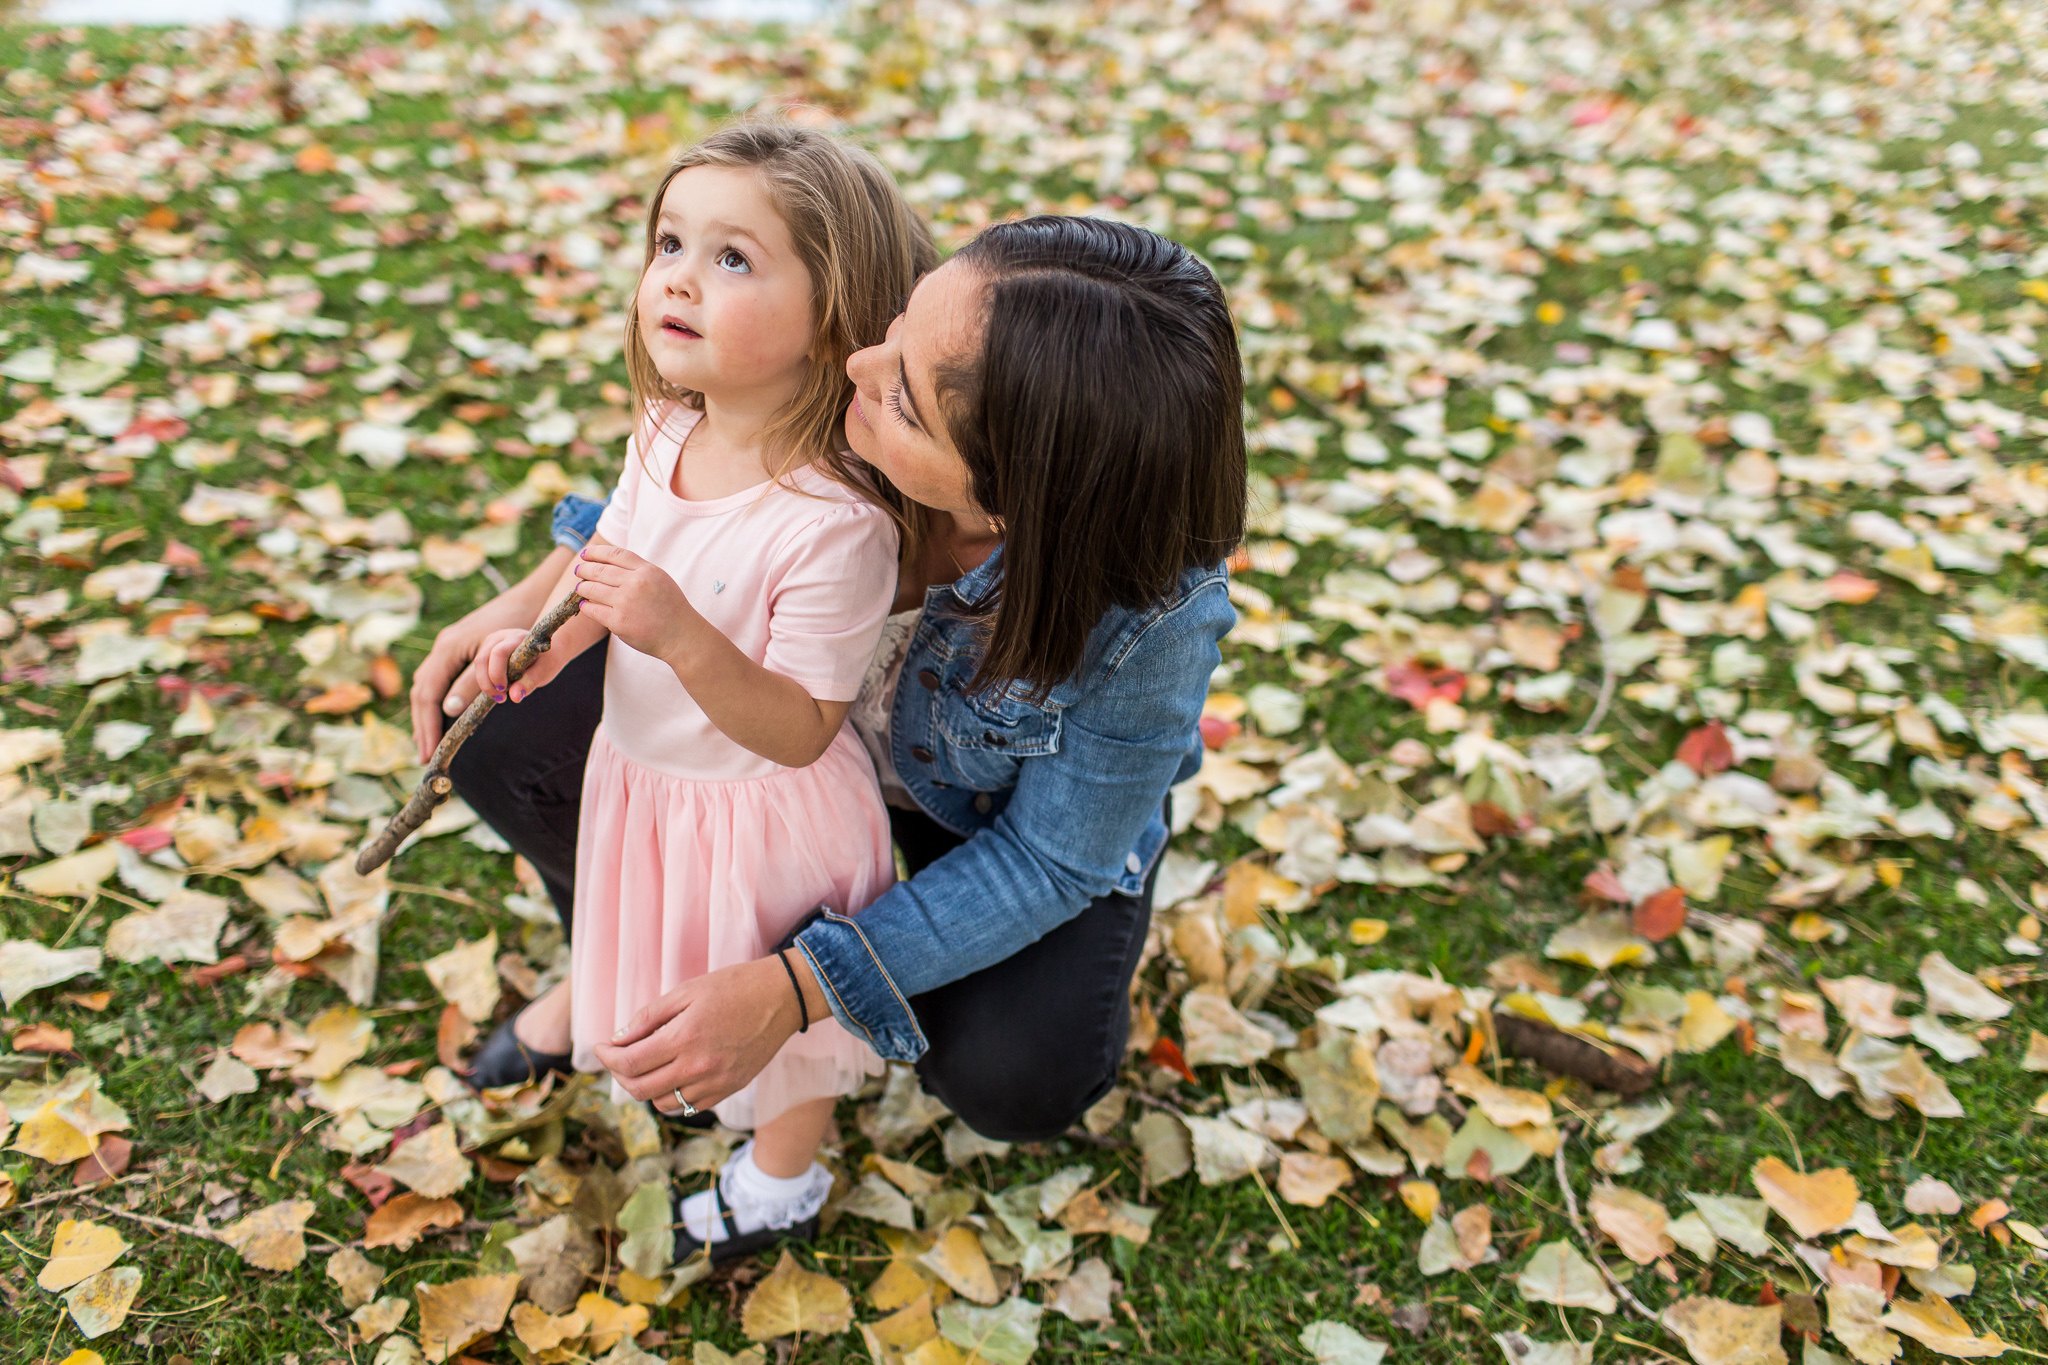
<point x="863" y="996"/>
<point x="575" y="521"/>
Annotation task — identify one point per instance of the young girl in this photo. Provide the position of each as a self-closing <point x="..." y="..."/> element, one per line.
<point x="743" y="579"/>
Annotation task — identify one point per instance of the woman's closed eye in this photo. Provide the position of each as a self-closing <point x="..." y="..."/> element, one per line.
<point x="896" y="406"/>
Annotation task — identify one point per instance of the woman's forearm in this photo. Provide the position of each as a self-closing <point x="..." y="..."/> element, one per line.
<point x="529" y="599"/>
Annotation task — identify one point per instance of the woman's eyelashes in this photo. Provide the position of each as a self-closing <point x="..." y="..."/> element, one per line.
<point x="896" y="406"/>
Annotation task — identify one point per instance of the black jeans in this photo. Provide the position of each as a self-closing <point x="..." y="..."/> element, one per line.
<point x="1019" y="1050"/>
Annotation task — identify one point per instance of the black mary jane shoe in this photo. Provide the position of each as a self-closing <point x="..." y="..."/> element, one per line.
<point x="504" y="1060"/>
<point x="736" y="1245"/>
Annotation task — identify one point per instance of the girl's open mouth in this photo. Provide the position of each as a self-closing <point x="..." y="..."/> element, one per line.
<point x="674" y="327"/>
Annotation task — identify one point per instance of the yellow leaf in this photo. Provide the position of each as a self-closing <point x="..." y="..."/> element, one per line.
<point x="609" y="1322"/>
<point x="78" y="875"/>
<point x="453" y="1315"/>
<point x="1366" y="932"/>
<point x="900" y="1283"/>
<point x="1705" y="1023"/>
<point x="909" y="1327"/>
<point x="99" y="1305"/>
<point x="1853" y="1312"/>
<point x="541" y="1332"/>
<point x="1717" y="1332"/>
<point x="958" y="1259"/>
<point x="81" y="1356"/>
<point x="1812" y="1204"/>
<point x="272" y="1238"/>
<point x="79" y="1251"/>
<point x="50" y="1138"/>
<point x="794" y="1300"/>
<point x="1938" y="1327"/>
<point x="339" y="1036"/>
<point x="1422" y="1199"/>
<point x="1506" y="1106"/>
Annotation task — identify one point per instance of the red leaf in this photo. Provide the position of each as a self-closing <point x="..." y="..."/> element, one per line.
<point x="1419" y="685"/>
<point x="1851" y="588"/>
<point x="1706" y="750"/>
<point x="1767" y="1295"/>
<point x="1167" y="1053"/>
<point x="1661" y="914"/>
<point x="1217" y="732"/>
<point x="1602" y="882"/>
<point x="375" y="1185"/>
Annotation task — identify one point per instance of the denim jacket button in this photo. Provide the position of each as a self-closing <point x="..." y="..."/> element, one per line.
<point x="929" y="679"/>
<point x="1133" y="865"/>
<point x="983" y="802"/>
<point x="921" y="754"/>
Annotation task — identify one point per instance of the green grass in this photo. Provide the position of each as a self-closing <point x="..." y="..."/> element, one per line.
<point x="1219" y="1281"/>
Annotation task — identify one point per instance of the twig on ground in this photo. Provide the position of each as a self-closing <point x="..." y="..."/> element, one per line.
<point x="1571" y="1211"/>
<point x="166" y="1224"/>
<point x="59" y="1195"/>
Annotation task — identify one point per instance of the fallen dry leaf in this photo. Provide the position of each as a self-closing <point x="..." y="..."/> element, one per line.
<point x="1717" y="1332"/>
<point x="455" y="1314"/>
<point x="794" y="1301"/>
<point x="79" y="1251"/>
<point x="405" y="1219"/>
<point x="99" y="1305"/>
<point x="429" y="1163"/>
<point x="272" y="1238"/>
<point x="1812" y="1204"/>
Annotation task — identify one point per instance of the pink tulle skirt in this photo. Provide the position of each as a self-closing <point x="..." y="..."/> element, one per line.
<point x="677" y="878"/>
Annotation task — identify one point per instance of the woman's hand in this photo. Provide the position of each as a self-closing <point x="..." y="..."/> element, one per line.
<point x="440" y="685"/>
<point x="635" y="600"/>
<point x="711" y="1035"/>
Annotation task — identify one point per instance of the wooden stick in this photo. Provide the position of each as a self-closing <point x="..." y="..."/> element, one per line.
<point x="435" y="784"/>
<point x="1622" y="1072"/>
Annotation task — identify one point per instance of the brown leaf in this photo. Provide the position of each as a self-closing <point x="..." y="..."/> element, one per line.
<point x="267" y="1046"/>
<point x="428" y="1162"/>
<point x="1660" y="914"/>
<point x="106" y="1163"/>
<point x="455" y="1314"/>
<point x="1717" y="1332"/>
<point x="42" y="1037"/>
<point x="453" y="1037"/>
<point x="407" y="1218"/>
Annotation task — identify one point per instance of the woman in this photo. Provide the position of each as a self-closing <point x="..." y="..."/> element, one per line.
<point x="1064" y="400"/>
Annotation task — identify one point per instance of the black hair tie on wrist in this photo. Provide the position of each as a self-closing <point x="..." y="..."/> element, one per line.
<point x="783" y="958"/>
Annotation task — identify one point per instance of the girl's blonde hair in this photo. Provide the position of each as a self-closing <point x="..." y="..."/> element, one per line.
<point x="864" y="248"/>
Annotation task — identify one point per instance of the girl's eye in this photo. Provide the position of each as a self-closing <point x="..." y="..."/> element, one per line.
<point x="666" y="245"/>
<point x="729" y="259"/>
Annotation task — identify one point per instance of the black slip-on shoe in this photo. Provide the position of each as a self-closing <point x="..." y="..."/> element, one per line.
<point x="736" y="1245"/>
<point x="504" y="1060"/>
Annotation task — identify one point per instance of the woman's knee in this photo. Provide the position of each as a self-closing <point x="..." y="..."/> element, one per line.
<point x="1031" y="1103"/>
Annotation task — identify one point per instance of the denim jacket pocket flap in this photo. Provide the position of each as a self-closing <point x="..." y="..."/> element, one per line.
<point x="1000" y="725"/>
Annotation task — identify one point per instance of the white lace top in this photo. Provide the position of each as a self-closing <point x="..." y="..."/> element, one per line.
<point x="870" y="710"/>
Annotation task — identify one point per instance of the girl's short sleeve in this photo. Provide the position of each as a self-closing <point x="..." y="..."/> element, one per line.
<point x="667" y="427"/>
<point x="829" y="599"/>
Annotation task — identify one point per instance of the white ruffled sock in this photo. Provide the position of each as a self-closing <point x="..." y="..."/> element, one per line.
<point x="757" y="1199"/>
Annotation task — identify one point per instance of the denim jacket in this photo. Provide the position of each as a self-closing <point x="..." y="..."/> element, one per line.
<point x="1060" y="799"/>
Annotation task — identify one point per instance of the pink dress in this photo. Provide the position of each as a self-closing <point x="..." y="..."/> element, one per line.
<point x="694" y="853"/>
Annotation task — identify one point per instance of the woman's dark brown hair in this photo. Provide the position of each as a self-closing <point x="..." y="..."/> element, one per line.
<point x="1102" y="422"/>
